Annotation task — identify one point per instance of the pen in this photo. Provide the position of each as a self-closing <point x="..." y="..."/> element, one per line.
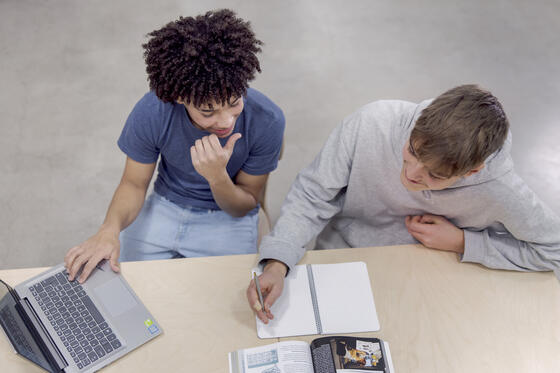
<point x="258" y="290"/>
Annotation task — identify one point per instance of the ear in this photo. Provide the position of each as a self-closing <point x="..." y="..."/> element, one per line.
<point x="474" y="170"/>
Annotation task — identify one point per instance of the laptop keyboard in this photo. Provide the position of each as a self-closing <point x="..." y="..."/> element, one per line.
<point x="75" y="318"/>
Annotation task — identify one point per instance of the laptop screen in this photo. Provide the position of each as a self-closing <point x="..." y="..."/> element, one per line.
<point x="16" y="330"/>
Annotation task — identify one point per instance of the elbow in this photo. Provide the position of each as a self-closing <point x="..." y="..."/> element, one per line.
<point x="238" y="214"/>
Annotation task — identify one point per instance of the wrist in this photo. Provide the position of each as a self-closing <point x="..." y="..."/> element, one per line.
<point x="460" y="248"/>
<point x="221" y="178"/>
<point x="277" y="266"/>
<point x="109" y="230"/>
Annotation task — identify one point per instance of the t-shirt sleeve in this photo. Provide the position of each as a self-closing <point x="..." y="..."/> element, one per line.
<point x="140" y="135"/>
<point x="265" y="151"/>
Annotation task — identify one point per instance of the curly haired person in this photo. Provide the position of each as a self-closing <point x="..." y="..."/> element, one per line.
<point x="216" y="140"/>
<point x="438" y="173"/>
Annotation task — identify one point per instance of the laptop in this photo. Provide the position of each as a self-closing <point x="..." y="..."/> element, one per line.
<point x="65" y="326"/>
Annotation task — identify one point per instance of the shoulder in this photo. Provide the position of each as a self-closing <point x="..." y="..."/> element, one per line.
<point x="151" y="106"/>
<point x="383" y="111"/>
<point x="152" y="114"/>
<point x="507" y="193"/>
<point x="260" y="107"/>
<point x="381" y="115"/>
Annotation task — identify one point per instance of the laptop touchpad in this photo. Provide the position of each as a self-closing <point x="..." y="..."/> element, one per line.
<point x="115" y="297"/>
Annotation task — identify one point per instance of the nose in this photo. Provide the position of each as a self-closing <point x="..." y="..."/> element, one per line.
<point x="226" y="121"/>
<point x="414" y="171"/>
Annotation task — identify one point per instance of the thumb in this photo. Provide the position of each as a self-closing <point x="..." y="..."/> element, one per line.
<point x="231" y="142"/>
<point x="115" y="260"/>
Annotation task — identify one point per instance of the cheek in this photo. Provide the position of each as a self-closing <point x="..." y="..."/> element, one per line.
<point x="237" y="111"/>
<point x="203" y="121"/>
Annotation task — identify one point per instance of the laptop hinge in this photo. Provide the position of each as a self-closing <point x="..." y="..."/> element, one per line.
<point x="39" y="333"/>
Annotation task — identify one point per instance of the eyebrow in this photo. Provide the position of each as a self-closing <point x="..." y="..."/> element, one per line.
<point x="211" y="109"/>
<point x="207" y="110"/>
<point x="436" y="176"/>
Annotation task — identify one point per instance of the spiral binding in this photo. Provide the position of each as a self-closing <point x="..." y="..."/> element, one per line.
<point x="314" y="299"/>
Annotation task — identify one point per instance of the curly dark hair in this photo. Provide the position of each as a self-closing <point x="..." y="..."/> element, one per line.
<point x="211" y="57"/>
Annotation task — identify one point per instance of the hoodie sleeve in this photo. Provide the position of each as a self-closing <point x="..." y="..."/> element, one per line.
<point x="531" y="240"/>
<point x="314" y="198"/>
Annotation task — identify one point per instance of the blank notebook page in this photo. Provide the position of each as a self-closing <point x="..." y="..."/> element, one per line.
<point x="293" y="310"/>
<point x="345" y="298"/>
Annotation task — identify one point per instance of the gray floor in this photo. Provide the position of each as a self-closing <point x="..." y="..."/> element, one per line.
<point x="72" y="70"/>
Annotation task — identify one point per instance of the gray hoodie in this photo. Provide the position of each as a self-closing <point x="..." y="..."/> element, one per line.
<point x="353" y="195"/>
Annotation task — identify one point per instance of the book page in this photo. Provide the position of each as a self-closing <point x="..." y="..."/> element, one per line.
<point x="293" y="310"/>
<point x="345" y="298"/>
<point x="282" y="357"/>
<point x="339" y="354"/>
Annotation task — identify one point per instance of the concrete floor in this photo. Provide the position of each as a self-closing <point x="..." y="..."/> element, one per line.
<point x="72" y="70"/>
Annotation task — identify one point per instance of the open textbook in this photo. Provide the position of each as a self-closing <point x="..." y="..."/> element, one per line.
<point x="324" y="355"/>
<point x="323" y="299"/>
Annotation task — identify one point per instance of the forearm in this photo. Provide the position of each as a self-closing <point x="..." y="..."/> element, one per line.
<point x="232" y="198"/>
<point x="124" y="208"/>
<point x="503" y="251"/>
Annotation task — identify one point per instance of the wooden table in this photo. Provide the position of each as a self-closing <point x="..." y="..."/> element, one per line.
<point x="438" y="315"/>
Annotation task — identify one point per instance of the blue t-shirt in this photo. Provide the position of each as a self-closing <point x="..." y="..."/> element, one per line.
<point x="155" y="128"/>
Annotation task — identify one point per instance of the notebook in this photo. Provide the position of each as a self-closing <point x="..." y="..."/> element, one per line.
<point x="323" y="299"/>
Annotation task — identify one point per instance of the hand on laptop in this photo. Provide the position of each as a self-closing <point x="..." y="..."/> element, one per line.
<point x="272" y="283"/>
<point x="103" y="245"/>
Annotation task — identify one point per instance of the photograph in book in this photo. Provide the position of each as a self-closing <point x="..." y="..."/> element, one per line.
<point x="357" y="354"/>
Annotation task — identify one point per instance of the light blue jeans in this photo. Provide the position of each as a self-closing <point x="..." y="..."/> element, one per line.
<point x="164" y="230"/>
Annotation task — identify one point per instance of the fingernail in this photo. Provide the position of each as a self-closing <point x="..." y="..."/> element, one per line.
<point x="257" y="306"/>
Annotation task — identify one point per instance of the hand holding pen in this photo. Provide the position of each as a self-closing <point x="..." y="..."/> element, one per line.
<point x="271" y="284"/>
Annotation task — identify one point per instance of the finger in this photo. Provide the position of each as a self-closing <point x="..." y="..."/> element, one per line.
<point x="215" y="143"/>
<point x="77" y="265"/>
<point x="254" y="303"/>
<point x="114" y="260"/>
<point x="253" y="297"/>
<point x="194" y="156"/>
<point x="419" y="236"/>
<point x="69" y="257"/>
<point x="231" y="142"/>
<point x="418" y="227"/>
<point x="200" y="149"/>
<point x="429" y="219"/>
<point x="208" y="149"/>
<point x="262" y="316"/>
<point x="271" y="297"/>
<point x="88" y="268"/>
<point x="407" y="220"/>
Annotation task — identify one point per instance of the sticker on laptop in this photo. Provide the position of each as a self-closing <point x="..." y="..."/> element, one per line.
<point x="152" y="328"/>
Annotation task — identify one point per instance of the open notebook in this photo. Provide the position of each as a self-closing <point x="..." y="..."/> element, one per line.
<point x="323" y="299"/>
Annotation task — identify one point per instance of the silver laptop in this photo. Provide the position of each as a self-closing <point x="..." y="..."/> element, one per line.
<point x="63" y="326"/>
